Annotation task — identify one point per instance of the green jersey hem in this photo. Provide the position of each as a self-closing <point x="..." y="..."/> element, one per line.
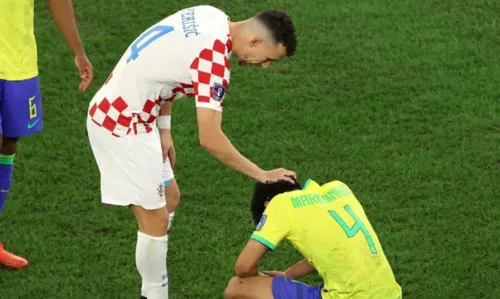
<point x="263" y="241"/>
<point x="306" y="184"/>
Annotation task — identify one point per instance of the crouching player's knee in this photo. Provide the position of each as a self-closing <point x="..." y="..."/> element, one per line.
<point x="232" y="289"/>
<point x="249" y="288"/>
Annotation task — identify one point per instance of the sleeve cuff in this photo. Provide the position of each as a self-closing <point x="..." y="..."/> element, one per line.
<point x="264" y="242"/>
<point x="209" y="106"/>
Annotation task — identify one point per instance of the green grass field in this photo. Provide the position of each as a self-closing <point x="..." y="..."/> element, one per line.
<point x="399" y="99"/>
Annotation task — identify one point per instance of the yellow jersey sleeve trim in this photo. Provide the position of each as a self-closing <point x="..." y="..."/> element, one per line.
<point x="306" y="184"/>
<point x="263" y="241"/>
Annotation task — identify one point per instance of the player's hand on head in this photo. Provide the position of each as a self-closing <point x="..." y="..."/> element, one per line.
<point x="86" y="71"/>
<point x="276" y="175"/>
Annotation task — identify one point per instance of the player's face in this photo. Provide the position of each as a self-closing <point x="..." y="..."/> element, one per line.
<point x="261" y="53"/>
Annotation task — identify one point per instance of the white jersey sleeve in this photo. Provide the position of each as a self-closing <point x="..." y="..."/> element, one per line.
<point x="210" y="72"/>
<point x="184" y="55"/>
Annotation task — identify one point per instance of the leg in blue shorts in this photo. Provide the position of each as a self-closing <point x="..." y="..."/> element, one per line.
<point x="20" y="108"/>
<point x="265" y="287"/>
<point x="20" y="116"/>
<point x="284" y="288"/>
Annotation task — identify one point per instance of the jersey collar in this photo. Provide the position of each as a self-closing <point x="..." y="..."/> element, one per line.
<point x="310" y="184"/>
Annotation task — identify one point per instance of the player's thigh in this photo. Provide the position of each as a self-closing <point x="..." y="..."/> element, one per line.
<point x="172" y="195"/>
<point x="256" y="287"/>
<point x="21" y="108"/>
<point x="130" y="168"/>
<point x="172" y="191"/>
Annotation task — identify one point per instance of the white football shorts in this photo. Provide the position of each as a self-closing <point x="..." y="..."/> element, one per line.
<point x="131" y="168"/>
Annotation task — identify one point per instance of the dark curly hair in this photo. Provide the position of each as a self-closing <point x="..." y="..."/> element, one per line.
<point x="265" y="192"/>
<point x="281" y="27"/>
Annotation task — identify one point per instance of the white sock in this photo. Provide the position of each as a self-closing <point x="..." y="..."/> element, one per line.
<point x="151" y="261"/>
<point x="170" y="219"/>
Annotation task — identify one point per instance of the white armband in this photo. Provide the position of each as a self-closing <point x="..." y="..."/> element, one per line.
<point x="163" y="122"/>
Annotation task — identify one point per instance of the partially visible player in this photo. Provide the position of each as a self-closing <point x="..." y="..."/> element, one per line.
<point x="20" y="98"/>
<point x="328" y="226"/>
<point x="187" y="54"/>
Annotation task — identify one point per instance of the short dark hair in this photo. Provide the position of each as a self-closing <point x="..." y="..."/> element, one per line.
<point x="265" y="192"/>
<point x="281" y="27"/>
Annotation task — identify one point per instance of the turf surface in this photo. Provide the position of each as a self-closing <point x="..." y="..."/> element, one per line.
<point x="399" y="99"/>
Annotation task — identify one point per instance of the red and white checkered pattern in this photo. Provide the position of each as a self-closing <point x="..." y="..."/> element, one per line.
<point x="131" y="98"/>
<point x="181" y="91"/>
<point x="110" y="116"/>
<point x="113" y="116"/>
<point x="211" y="66"/>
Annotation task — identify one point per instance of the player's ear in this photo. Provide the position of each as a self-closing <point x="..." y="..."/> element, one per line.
<point x="255" y="41"/>
<point x="266" y="203"/>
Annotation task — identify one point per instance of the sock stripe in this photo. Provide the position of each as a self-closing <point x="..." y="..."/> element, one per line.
<point x="7" y="159"/>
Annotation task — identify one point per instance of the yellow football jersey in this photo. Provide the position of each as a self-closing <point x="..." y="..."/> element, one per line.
<point x="328" y="226"/>
<point x="18" y="51"/>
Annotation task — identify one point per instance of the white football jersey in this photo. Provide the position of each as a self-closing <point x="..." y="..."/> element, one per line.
<point x="185" y="54"/>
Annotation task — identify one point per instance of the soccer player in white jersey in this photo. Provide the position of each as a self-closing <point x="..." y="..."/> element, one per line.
<point x="185" y="54"/>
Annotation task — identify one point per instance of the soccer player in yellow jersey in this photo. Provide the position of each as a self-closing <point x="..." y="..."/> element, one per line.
<point x="328" y="226"/>
<point x="20" y="99"/>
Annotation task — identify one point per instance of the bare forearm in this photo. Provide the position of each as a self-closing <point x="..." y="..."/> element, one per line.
<point x="252" y="272"/>
<point x="299" y="270"/>
<point x="64" y="17"/>
<point x="222" y="148"/>
<point x="166" y="109"/>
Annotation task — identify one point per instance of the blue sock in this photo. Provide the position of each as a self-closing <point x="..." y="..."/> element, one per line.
<point x="6" y="166"/>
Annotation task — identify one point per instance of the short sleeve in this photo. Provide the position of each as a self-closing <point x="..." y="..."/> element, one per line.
<point x="210" y="73"/>
<point x="275" y="224"/>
